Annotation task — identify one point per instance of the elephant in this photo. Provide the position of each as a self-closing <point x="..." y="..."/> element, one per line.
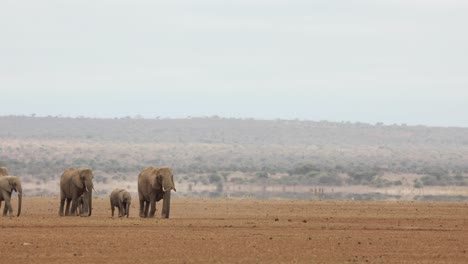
<point x="155" y="184"/>
<point x="8" y="184"/>
<point x="121" y="199"/>
<point x="73" y="184"/>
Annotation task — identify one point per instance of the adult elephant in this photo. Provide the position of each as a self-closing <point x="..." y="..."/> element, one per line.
<point x="73" y="184"/>
<point x="8" y="184"/>
<point x="3" y="171"/>
<point x="155" y="184"/>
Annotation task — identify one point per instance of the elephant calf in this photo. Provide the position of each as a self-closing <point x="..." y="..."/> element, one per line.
<point x="80" y="205"/>
<point x="121" y="199"/>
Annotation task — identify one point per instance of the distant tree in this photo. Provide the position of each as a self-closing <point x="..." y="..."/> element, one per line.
<point x="214" y="178"/>
<point x="303" y="169"/>
<point x="262" y="175"/>
<point x="418" y="184"/>
<point x="362" y="176"/>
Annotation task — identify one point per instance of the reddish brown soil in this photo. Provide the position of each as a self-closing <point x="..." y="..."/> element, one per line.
<point x="241" y="231"/>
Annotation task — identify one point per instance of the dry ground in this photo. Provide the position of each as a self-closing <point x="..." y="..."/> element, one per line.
<point x="241" y="231"/>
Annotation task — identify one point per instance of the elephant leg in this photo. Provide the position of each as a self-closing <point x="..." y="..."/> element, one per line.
<point x="8" y="207"/>
<point x="142" y="205"/>
<point x="67" y="208"/>
<point x="62" y="203"/>
<point x="127" y="209"/>
<point x="124" y="209"/>
<point x="153" y="207"/>
<point x="80" y="209"/>
<point x="120" y="209"/>
<point x="146" y="208"/>
<point x="74" y="204"/>
<point x="5" y="210"/>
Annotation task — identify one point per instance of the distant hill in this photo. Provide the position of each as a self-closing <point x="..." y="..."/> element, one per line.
<point x="215" y="150"/>
<point x="229" y="131"/>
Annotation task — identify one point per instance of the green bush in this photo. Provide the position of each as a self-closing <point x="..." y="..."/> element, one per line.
<point x="214" y="178"/>
<point x="330" y="180"/>
<point x="303" y="169"/>
<point x="262" y="175"/>
<point x="362" y="176"/>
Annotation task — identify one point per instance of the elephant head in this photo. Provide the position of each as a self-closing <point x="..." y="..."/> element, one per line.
<point x="165" y="180"/>
<point x="84" y="180"/>
<point x="10" y="184"/>
<point x="3" y="171"/>
<point x="126" y="198"/>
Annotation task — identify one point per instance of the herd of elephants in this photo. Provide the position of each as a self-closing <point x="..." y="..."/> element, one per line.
<point x="76" y="186"/>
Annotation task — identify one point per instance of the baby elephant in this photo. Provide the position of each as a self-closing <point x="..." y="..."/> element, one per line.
<point x="80" y="205"/>
<point x="122" y="199"/>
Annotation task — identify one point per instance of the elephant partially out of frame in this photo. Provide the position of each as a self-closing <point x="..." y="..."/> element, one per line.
<point x="121" y="199"/>
<point x="73" y="184"/>
<point x="155" y="184"/>
<point x="8" y="184"/>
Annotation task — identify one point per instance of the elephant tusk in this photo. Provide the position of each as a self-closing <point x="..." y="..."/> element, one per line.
<point x="172" y="188"/>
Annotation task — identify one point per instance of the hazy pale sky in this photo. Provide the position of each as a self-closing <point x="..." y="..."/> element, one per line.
<point x="391" y="61"/>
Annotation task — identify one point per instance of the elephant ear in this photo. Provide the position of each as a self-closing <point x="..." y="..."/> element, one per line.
<point x="122" y="195"/>
<point x="84" y="173"/>
<point x="5" y="184"/>
<point x="127" y="196"/>
<point x="154" y="178"/>
<point x="77" y="180"/>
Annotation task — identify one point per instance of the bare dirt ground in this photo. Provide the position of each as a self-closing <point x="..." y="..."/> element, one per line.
<point x="241" y="231"/>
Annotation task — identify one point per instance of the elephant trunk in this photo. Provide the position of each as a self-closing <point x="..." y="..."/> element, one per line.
<point x="127" y="209"/>
<point x="166" y="204"/>
<point x="90" y="205"/>
<point x="88" y="208"/>
<point x="19" y="190"/>
<point x="20" y="198"/>
<point x="168" y="185"/>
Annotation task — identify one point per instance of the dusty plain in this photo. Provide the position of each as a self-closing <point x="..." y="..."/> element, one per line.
<point x="241" y="231"/>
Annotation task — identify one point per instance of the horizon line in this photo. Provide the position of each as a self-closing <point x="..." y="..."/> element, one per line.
<point x="141" y="117"/>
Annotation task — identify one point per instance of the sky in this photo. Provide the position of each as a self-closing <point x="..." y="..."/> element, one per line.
<point x="390" y="61"/>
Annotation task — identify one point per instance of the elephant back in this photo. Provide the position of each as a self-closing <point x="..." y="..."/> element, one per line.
<point x="145" y="176"/>
<point x="116" y="192"/>
<point x="5" y="184"/>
